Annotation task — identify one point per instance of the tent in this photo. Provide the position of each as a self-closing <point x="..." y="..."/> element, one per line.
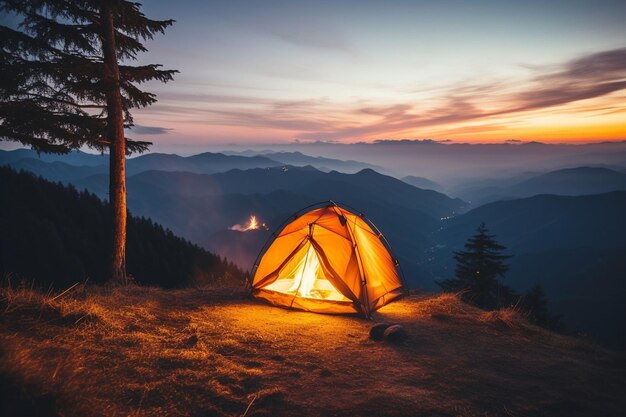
<point x="327" y="259"/>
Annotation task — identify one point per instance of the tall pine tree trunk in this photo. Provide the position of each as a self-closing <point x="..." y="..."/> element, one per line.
<point x="117" y="149"/>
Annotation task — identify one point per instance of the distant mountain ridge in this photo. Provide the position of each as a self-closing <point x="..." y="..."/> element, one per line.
<point x="308" y="180"/>
<point x="421" y="182"/>
<point x="202" y="163"/>
<point x="323" y="164"/>
<point x="545" y="221"/>
<point x="55" y="170"/>
<point x="76" y="158"/>
<point x="202" y="207"/>
<point x="570" y="181"/>
<point x="573" y="246"/>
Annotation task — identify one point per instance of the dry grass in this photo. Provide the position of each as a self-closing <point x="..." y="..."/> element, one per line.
<point x="509" y="317"/>
<point x="148" y="352"/>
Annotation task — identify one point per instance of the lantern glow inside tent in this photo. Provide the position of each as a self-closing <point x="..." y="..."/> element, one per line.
<point x="328" y="260"/>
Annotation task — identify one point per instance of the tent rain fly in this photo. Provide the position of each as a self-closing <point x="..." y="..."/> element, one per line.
<point x="328" y="260"/>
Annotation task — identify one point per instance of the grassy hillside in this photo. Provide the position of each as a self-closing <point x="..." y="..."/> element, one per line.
<point x="55" y="235"/>
<point x="147" y="352"/>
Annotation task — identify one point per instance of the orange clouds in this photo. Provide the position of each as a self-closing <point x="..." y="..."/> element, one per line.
<point x="581" y="100"/>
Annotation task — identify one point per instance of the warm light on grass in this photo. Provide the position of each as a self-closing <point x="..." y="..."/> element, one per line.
<point x="145" y="352"/>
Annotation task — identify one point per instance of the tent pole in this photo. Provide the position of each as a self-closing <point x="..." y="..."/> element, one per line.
<point x="361" y="270"/>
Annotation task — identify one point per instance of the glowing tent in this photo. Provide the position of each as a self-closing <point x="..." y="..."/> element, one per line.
<point x="327" y="260"/>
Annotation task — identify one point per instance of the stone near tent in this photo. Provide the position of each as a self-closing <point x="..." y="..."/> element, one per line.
<point x="395" y="334"/>
<point x="191" y="341"/>
<point x="377" y="332"/>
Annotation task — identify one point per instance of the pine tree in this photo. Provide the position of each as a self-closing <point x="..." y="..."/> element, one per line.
<point x="478" y="271"/>
<point x="64" y="85"/>
<point x="535" y="305"/>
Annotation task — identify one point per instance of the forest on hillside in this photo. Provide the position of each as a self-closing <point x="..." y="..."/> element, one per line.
<point x="52" y="235"/>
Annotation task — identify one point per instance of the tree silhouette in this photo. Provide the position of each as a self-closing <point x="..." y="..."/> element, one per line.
<point x="535" y="305"/>
<point x="478" y="271"/>
<point x="62" y="86"/>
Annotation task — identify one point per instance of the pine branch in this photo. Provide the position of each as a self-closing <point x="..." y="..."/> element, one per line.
<point x="52" y="72"/>
<point x="66" y="35"/>
<point x="140" y="74"/>
<point x="69" y="103"/>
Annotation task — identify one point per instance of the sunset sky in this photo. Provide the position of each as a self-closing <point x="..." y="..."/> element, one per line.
<point x="259" y="72"/>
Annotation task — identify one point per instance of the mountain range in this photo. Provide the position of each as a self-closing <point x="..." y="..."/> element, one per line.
<point x="572" y="245"/>
<point x="570" y="181"/>
<point x="322" y="163"/>
<point x="421" y="182"/>
<point x="203" y="163"/>
<point x="200" y="206"/>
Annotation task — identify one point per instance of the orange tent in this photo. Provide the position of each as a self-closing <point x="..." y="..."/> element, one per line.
<point x="328" y="260"/>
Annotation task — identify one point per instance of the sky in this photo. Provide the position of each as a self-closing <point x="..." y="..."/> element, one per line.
<point x="263" y="72"/>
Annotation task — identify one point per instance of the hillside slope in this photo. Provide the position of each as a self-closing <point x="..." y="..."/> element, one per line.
<point x="216" y="353"/>
<point x="55" y="235"/>
<point x="203" y="207"/>
<point x="339" y="186"/>
<point x="569" y="182"/>
<point x="421" y="182"/>
<point x="572" y="181"/>
<point x="321" y="163"/>
<point x="548" y="221"/>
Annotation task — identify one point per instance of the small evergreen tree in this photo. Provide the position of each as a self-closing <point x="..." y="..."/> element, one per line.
<point x="478" y="271"/>
<point x="535" y="305"/>
<point x="65" y="85"/>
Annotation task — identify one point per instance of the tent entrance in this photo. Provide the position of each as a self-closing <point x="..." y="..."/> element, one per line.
<point x="304" y="277"/>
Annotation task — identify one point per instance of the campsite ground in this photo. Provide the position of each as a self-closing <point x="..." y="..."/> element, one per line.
<point x="149" y="352"/>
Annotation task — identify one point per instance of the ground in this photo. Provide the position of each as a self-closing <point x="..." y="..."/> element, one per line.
<point x="147" y="352"/>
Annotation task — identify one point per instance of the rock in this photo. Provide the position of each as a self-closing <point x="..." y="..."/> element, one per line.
<point x="192" y="341"/>
<point x="377" y="331"/>
<point x="395" y="334"/>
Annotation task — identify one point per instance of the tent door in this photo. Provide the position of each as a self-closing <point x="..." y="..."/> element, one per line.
<point x="306" y="278"/>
